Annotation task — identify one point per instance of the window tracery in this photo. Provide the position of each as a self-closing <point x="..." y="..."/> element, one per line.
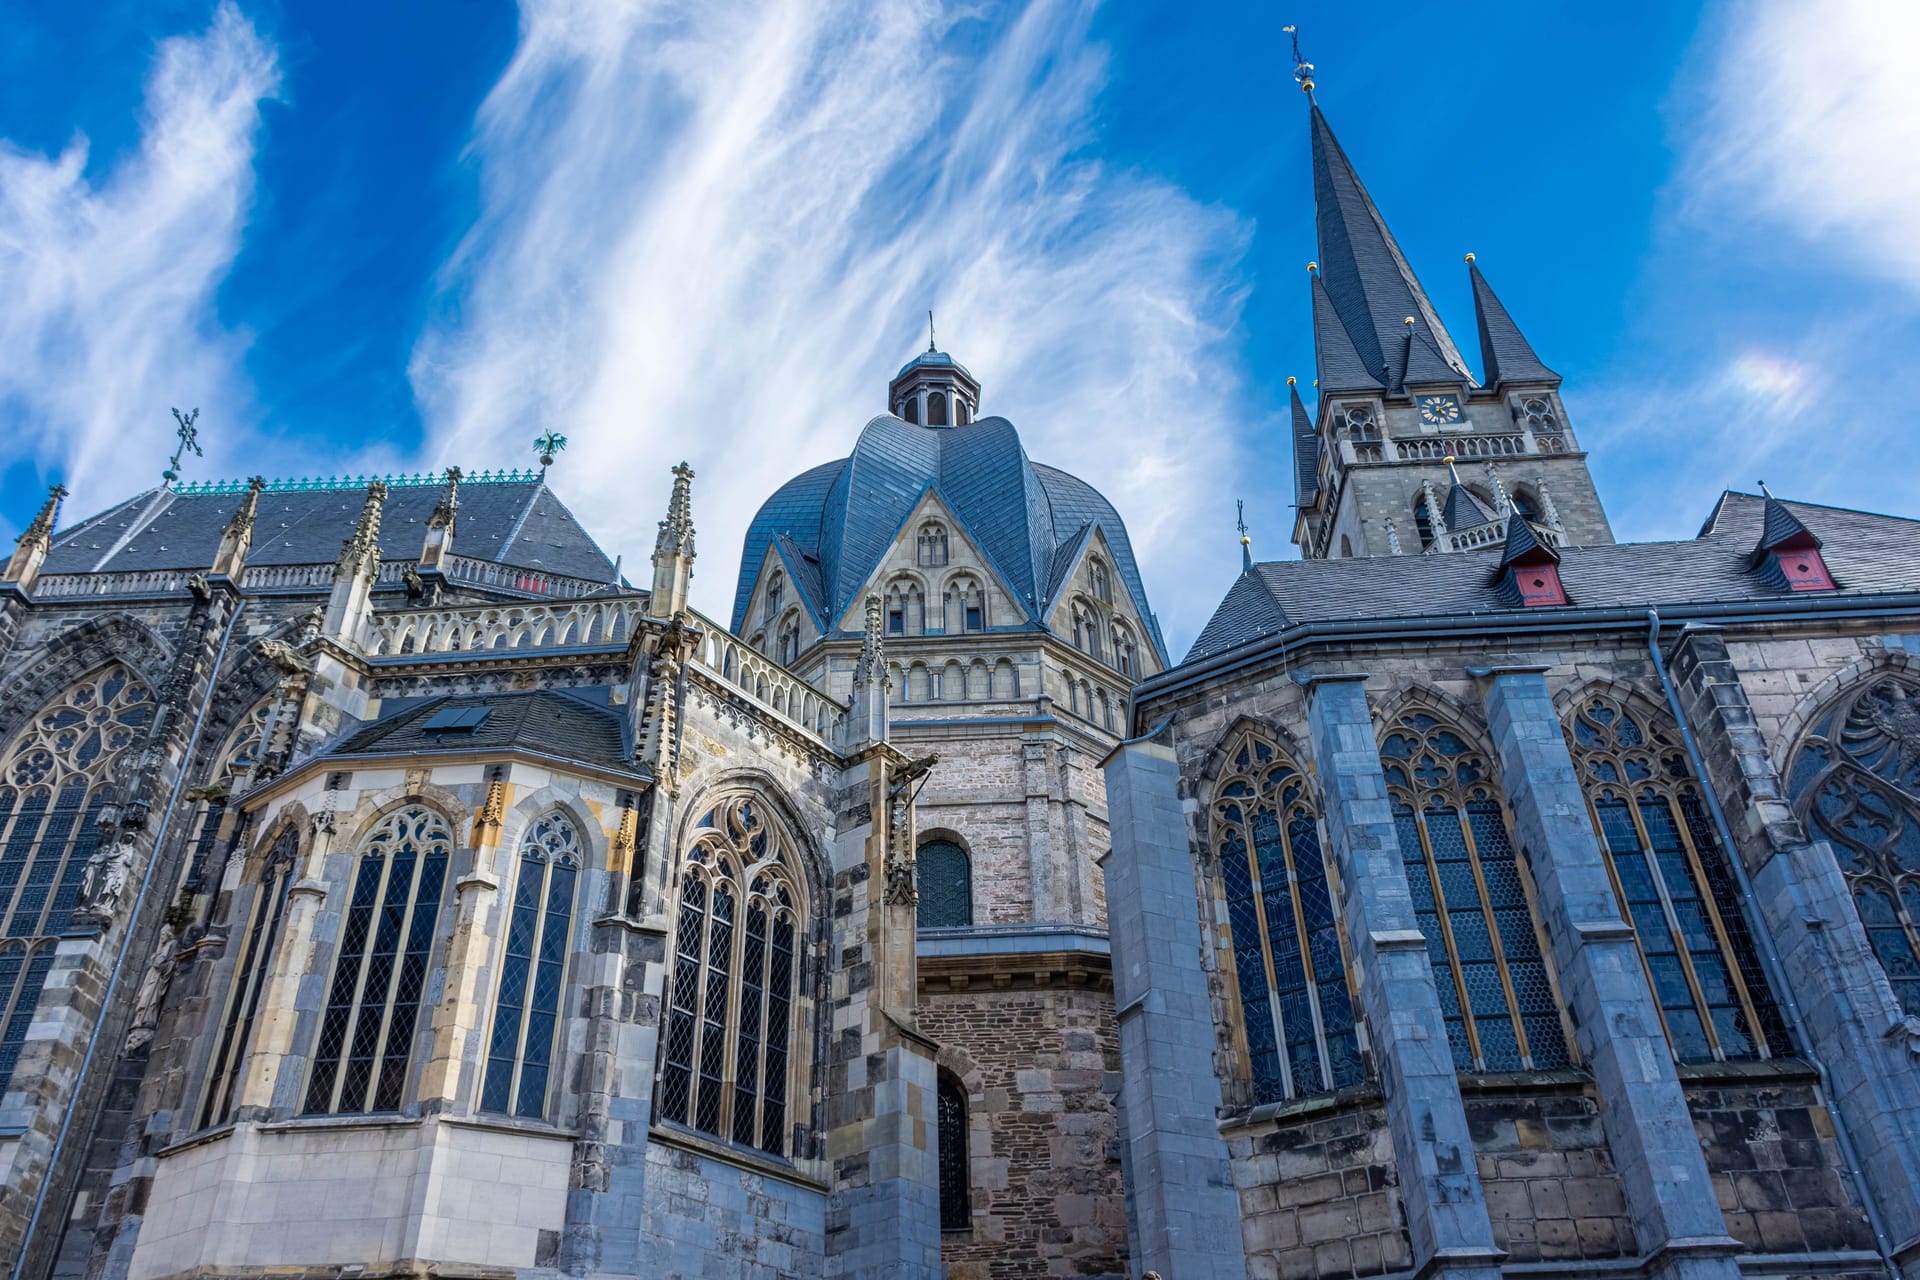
<point x="365" y="1044"/>
<point x="933" y="544"/>
<point x="54" y="778"/>
<point x="1673" y="884"/>
<point x="258" y="941"/>
<point x="731" y="1002"/>
<point x="526" y="1014"/>
<point x="1472" y="900"/>
<point x="1288" y="947"/>
<point x="1855" y="780"/>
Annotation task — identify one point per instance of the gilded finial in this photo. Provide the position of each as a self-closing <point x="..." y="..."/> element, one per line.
<point x="1246" y="542"/>
<point x="1409" y="322"/>
<point x="1302" y="69"/>
<point x="1291" y="379"/>
<point x="1469" y="257"/>
<point x="1312" y="267"/>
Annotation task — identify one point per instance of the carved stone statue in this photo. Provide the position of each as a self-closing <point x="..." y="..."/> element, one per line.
<point x="153" y="988"/>
<point x="106" y="877"/>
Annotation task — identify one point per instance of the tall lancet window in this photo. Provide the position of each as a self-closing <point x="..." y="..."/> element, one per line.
<point x="365" y="1045"/>
<point x="1855" y="779"/>
<point x="1472" y="901"/>
<point x="257" y="941"/>
<point x="731" y="1001"/>
<point x="1674" y="885"/>
<point x="950" y="1130"/>
<point x="526" y="1016"/>
<point x="53" y="780"/>
<point x="1295" y="1005"/>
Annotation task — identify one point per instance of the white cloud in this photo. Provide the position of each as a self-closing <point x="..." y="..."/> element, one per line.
<point x="712" y="230"/>
<point x="108" y="317"/>
<point x="1814" y="109"/>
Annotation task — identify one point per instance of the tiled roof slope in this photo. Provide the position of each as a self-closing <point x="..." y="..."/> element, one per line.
<point x="1867" y="554"/>
<point x="544" y="721"/>
<point x="843" y="516"/>
<point x="1505" y="353"/>
<point x="520" y="523"/>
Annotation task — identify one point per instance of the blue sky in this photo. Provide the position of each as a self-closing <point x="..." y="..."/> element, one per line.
<point x="367" y="236"/>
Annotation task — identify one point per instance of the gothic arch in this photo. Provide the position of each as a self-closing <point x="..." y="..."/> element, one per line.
<point x="1817" y="699"/>
<point x="1246" y="726"/>
<point x="529" y="809"/>
<point x="75" y="653"/>
<point x="697" y="800"/>
<point x="1435" y="703"/>
<point x="1569" y="697"/>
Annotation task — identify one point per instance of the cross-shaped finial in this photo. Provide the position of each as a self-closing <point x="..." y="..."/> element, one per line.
<point x="1302" y="69"/>
<point x="189" y="439"/>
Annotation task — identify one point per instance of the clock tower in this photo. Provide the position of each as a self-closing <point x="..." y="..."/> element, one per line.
<point x="1404" y="450"/>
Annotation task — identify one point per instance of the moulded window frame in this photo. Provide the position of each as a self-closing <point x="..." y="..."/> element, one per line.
<point x="556" y="1064"/>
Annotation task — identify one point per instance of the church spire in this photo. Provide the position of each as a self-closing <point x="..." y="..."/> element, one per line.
<point x="1306" y="450"/>
<point x="1505" y="354"/>
<point x="1337" y="362"/>
<point x="1368" y="280"/>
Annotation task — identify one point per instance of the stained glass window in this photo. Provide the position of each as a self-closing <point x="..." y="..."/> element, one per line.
<point x="732" y="990"/>
<point x="1295" y="1005"/>
<point x="526" y="1016"/>
<point x="250" y="969"/>
<point x="955" y="1193"/>
<point x="54" y="778"/>
<point x="1674" y="886"/>
<point x="1855" y="779"/>
<point x="944" y="876"/>
<point x="367" y="1030"/>
<point x="1473" y="901"/>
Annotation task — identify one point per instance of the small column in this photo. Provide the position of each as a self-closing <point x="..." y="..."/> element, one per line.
<point x="1183" y="1215"/>
<point x="1439" y="1183"/>
<point x="1855" y="1026"/>
<point x="1676" y="1216"/>
<point x="475" y="913"/>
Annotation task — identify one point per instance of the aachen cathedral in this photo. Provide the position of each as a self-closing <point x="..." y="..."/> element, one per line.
<point x="388" y="887"/>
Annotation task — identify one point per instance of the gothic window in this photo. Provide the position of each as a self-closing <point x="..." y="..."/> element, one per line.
<point x="776" y="591"/>
<point x="1123" y="654"/>
<point x="240" y="753"/>
<point x="1526" y="503"/>
<point x="1360" y="423"/>
<point x="1674" y="885"/>
<point x="933" y="544"/>
<point x="1102" y="584"/>
<point x="971" y="601"/>
<point x="1423" y="522"/>
<point x="937" y="410"/>
<point x="1855" y="779"/>
<point x="1295" y="1005"/>
<point x="257" y="942"/>
<point x="789" y="643"/>
<point x="1472" y="901"/>
<point x="526" y="1017"/>
<point x="53" y="781"/>
<point x="366" y="1036"/>
<point x="944" y="876"/>
<point x="736" y="967"/>
<point x="1538" y="413"/>
<point x="956" y="1209"/>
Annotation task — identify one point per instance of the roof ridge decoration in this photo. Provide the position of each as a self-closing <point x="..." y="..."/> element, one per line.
<point x="1505" y="353"/>
<point x="1367" y="277"/>
<point x="357" y="483"/>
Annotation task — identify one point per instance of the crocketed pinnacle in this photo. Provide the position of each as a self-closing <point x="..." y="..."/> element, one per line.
<point x="241" y="524"/>
<point x="41" y="527"/>
<point x="676" y="531"/>
<point x="360" y="553"/>
<point x="447" y="509"/>
<point x="1372" y="287"/>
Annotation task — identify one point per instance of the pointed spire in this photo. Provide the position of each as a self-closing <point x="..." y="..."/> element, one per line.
<point x="1306" y="450"/>
<point x="1368" y="279"/>
<point x="30" y="549"/>
<point x="360" y="553"/>
<point x="867" y="710"/>
<point x="1246" y="542"/>
<point x="1505" y="354"/>
<point x="1463" y="510"/>
<point x="438" y="543"/>
<point x="1339" y="367"/>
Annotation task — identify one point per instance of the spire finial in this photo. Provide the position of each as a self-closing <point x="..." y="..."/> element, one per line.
<point x="1246" y="543"/>
<point x="549" y="443"/>
<point x="930" y="347"/>
<point x="189" y="439"/>
<point x="1763" y="489"/>
<point x="1302" y="69"/>
<point x="1450" y="460"/>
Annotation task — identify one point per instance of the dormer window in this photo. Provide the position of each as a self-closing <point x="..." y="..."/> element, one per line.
<point x="1803" y="570"/>
<point x="1788" y="554"/>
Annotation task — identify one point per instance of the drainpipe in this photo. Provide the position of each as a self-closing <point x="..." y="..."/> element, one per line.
<point x="126" y="943"/>
<point x="1763" y="938"/>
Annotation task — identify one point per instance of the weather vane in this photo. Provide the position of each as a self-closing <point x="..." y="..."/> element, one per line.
<point x="189" y="439"/>
<point x="547" y="445"/>
<point x="1246" y="542"/>
<point x="1302" y="69"/>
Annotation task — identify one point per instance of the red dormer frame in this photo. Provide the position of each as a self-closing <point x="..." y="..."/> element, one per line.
<point x="1538" y="583"/>
<point x="1804" y="569"/>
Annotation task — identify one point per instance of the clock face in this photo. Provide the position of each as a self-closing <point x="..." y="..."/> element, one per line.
<point x="1439" y="411"/>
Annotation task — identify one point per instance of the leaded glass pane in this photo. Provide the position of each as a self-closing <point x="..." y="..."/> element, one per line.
<point x="945" y="880"/>
<point x="951" y="1131"/>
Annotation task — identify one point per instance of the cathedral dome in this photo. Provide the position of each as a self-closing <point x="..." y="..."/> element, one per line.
<point x="834" y="524"/>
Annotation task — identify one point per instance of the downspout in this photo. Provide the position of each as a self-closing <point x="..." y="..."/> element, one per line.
<point x="1763" y="938"/>
<point x="126" y="941"/>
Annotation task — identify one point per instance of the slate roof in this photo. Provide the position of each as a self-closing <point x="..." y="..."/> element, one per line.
<point x="520" y="523"/>
<point x="1521" y="541"/>
<point x="1463" y="510"/>
<point x="1368" y="279"/>
<point x="1338" y="366"/>
<point x="1306" y="450"/>
<point x="550" y="722"/>
<point x="1867" y="554"/>
<point x="843" y="516"/>
<point x="1505" y="353"/>
<point x="1779" y="528"/>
